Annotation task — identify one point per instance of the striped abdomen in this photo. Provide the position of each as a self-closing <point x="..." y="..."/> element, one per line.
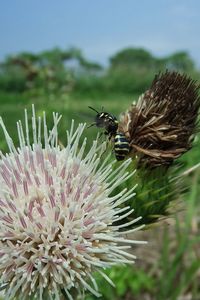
<point x="121" y="146"/>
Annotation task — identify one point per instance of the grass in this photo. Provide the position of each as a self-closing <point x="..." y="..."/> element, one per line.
<point x="173" y="271"/>
<point x="71" y="107"/>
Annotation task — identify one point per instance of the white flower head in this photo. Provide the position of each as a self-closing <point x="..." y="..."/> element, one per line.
<point x="58" y="220"/>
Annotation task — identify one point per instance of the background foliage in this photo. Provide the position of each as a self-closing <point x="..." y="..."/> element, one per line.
<point x="130" y="70"/>
<point x="67" y="82"/>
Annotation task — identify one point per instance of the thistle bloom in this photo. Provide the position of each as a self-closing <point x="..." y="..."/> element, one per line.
<point x="58" y="219"/>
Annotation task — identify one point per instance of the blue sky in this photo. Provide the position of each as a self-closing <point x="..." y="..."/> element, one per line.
<point x="100" y="27"/>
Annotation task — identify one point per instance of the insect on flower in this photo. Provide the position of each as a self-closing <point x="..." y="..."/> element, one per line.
<point x="160" y="126"/>
<point x="110" y="123"/>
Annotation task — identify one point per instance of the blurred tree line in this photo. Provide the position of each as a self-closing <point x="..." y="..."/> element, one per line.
<point x="130" y="70"/>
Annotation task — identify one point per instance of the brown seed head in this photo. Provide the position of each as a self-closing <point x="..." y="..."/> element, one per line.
<point x="161" y="125"/>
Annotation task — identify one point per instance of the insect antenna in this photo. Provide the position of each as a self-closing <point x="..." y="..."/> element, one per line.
<point x="93" y="124"/>
<point x="93" y="109"/>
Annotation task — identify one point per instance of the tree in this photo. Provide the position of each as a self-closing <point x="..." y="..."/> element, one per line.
<point x="133" y="57"/>
<point x="131" y="70"/>
<point x="180" y="61"/>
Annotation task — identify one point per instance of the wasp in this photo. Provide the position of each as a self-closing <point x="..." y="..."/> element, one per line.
<point x="110" y="123"/>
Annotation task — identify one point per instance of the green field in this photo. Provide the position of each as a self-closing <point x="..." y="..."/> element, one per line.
<point x="71" y="107"/>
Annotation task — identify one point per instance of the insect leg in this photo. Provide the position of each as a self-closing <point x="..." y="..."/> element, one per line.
<point x="91" y="125"/>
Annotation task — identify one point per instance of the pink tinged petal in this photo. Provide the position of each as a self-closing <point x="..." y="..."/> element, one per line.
<point x="6" y="170"/>
<point x="88" y="221"/>
<point x="27" y="174"/>
<point x="7" y="164"/>
<point x="57" y="214"/>
<point x="87" y="193"/>
<point x="87" y="234"/>
<point x="2" y="254"/>
<point x="37" y="181"/>
<point x="92" y="188"/>
<point x="22" y="221"/>
<point x="42" y="160"/>
<point x="9" y="234"/>
<point x="49" y="154"/>
<point x="68" y="188"/>
<point x="68" y="243"/>
<point x="83" y="180"/>
<point x="25" y="186"/>
<point x="39" y="225"/>
<point x="7" y="219"/>
<point x="30" y="216"/>
<point x="75" y="169"/>
<point x="32" y="166"/>
<point x="12" y="206"/>
<point x="30" y="268"/>
<point x="81" y="247"/>
<point x="53" y="191"/>
<point x="14" y="188"/>
<point x="71" y="215"/>
<point x="30" y="209"/>
<point x="69" y="176"/>
<point x="89" y="207"/>
<point x="41" y="211"/>
<point x="77" y="196"/>
<point x="31" y="205"/>
<point x="2" y="203"/>
<point x="17" y="176"/>
<point x="46" y="176"/>
<point x="37" y="200"/>
<point x="52" y="158"/>
<point x="52" y="200"/>
<point x="6" y="179"/>
<point x="62" y="173"/>
<point x="37" y="156"/>
<point x="18" y="164"/>
<point x="25" y="154"/>
<point x="62" y="198"/>
<point x="50" y="180"/>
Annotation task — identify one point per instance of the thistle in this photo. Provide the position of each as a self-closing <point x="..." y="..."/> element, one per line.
<point x="160" y="127"/>
<point x="58" y="219"/>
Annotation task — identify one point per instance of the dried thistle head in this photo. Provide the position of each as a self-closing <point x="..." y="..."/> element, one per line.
<point x="160" y="127"/>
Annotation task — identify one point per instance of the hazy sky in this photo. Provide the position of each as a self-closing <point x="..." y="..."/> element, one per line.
<point x="100" y="27"/>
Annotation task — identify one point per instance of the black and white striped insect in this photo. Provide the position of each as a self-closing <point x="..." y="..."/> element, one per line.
<point x="110" y="123"/>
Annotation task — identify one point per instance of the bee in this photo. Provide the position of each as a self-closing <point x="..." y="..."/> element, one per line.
<point x="110" y="123"/>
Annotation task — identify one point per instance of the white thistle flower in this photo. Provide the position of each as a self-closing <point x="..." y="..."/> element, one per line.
<point x="57" y="213"/>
